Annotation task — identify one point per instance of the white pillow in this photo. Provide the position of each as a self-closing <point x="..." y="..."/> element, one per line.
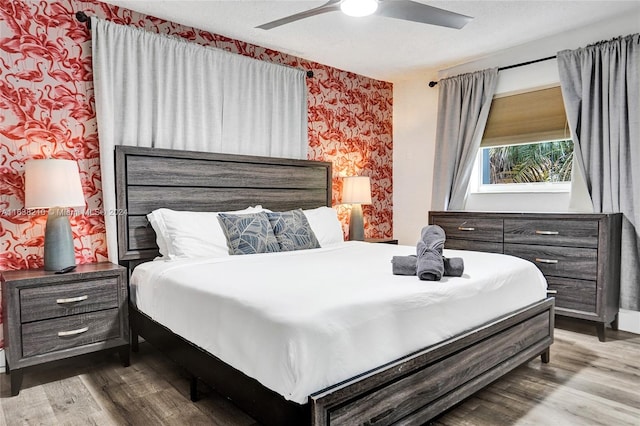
<point x="325" y="225"/>
<point x="186" y="234"/>
<point x="157" y="226"/>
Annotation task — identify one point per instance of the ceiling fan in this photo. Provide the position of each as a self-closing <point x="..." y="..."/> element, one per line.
<point x="400" y="9"/>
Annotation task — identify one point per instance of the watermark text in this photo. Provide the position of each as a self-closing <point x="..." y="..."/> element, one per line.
<point x="65" y="211"/>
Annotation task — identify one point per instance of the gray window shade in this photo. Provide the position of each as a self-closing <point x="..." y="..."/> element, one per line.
<point x="526" y="118"/>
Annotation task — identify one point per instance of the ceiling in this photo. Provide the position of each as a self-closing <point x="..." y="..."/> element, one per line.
<point x="385" y="48"/>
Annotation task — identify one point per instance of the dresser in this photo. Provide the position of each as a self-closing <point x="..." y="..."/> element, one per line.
<point x="49" y="316"/>
<point x="579" y="254"/>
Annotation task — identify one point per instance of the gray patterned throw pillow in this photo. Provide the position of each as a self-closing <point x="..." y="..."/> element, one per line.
<point x="248" y="233"/>
<point x="292" y="230"/>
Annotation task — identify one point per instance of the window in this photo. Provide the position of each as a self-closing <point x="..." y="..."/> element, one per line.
<point x="525" y="146"/>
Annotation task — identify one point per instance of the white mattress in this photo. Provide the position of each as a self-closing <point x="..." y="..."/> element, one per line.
<point x="301" y="321"/>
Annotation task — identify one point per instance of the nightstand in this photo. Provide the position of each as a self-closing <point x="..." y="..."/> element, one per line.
<point x="49" y="316"/>
<point x="381" y="240"/>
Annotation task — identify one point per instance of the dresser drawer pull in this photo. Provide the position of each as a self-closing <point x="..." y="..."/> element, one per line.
<point x="552" y="291"/>
<point x="72" y="332"/>
<point x="462" y="228"/>
<point x="546" y="260"/>
<point x="547" y="232"/>
<point x="72" y="299"/>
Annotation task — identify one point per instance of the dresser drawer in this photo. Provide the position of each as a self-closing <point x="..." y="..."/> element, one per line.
<point x="470" y="228"/>
<point x="485" y="246"/>
<point x="41" y="337"/>
<point x="573" y="294"/>
<point x="54" y="301"/>
<point x="569" y="233"/>
<point x="568" y="262"/>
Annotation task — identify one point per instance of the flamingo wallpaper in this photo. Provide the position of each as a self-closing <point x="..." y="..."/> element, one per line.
<point x="47" y="111"/>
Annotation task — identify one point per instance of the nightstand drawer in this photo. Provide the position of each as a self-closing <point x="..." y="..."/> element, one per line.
<point x="470" y="228"/>
<point x="52" y="301"/>
<point x="569" y="233"/>
<point x="41" y="337"/>
<point x="568" y="262"/>
<point x="573" y="294"/>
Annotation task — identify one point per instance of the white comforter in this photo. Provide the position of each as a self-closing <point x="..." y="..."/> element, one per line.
<point x="301" y="321"/>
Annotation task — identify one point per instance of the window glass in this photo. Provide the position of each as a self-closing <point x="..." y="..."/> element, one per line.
<point x="542" y="162"/>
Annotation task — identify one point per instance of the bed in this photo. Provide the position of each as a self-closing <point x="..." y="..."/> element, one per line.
<point x="431" y="373"/>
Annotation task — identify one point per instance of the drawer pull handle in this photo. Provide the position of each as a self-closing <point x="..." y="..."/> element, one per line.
<point x="462" y="228"/>
<point x="546" y="260"/>
<point x="72" y="332"/>
<point x="72" y="299"/>
<point x="547" y="232"/>
<point x="552" y="291"/>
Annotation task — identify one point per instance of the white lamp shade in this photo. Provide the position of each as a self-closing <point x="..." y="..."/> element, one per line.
<point x="358" y="8"/>
<point x="52" y="183"/>
<point x="356" y="190"/>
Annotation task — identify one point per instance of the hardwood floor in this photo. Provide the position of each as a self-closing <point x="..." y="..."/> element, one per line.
<point x="586" y="383"/>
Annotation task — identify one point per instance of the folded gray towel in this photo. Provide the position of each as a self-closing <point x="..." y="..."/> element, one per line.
<point x="404" y="265"/>
<point x="430" y="265"/>
<point x="453" y="266"/>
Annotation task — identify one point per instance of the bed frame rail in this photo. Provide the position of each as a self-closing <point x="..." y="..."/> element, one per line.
<point x="253" y="398"/>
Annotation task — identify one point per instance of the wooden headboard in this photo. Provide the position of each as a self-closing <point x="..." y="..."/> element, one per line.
<point x="150" y="178"/>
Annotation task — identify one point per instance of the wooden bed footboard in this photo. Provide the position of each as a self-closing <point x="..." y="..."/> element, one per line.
<point x="410" y="390"/>
<point x="420" y="386"/>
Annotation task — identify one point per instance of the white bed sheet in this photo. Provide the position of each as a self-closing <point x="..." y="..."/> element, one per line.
<point x="344" y="313"/>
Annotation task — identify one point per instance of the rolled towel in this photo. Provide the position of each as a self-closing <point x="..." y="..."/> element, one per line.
<point x="430" y="265"/>
<point x="404" y="265"/>
<point x="453" y="266"/>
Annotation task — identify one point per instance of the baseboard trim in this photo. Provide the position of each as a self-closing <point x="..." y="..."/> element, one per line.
<point x="629" y="321"/>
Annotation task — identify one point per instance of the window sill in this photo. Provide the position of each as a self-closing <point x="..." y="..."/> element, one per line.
<point x="523" y="189"/>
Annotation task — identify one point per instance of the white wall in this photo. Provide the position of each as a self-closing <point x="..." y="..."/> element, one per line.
<point x="414" y="106"/>
<point x="414" y="133"/>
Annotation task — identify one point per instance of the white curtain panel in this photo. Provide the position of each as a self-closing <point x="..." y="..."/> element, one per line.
<point x="154" y="90"/>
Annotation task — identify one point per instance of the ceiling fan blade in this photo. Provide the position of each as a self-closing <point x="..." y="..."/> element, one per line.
<point x="417" y="12"/>
<point x="329" y="6"/>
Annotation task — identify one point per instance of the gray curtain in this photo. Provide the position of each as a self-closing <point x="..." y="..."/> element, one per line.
<point x="601" y="91"/>
<point x="463" y="107"/>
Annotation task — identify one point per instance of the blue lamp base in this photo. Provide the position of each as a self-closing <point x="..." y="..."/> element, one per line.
<point x="58" y="241"/>
<point x="356" y="223"/>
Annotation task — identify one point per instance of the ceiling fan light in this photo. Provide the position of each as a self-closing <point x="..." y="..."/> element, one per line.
<point x="358" y="8"/>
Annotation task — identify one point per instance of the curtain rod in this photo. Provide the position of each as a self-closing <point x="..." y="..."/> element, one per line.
<point x="521" y="64"/>
<point x="82" y="17"/>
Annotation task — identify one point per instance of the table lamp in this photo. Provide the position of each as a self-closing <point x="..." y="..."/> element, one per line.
<point x="356" y="190"/>
<point x="54" y="184"/>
